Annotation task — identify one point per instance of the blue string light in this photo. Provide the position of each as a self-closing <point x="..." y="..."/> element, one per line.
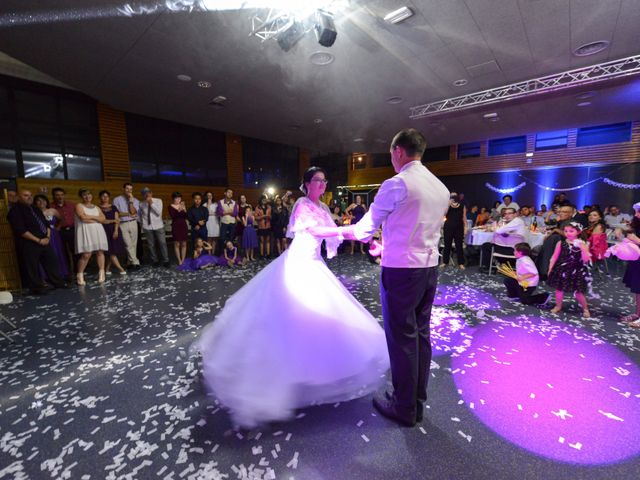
<point x="608" y="181"/>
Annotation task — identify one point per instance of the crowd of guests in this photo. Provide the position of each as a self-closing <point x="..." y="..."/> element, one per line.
<point x="56" y="238"/>
<point x="572" y="241"/>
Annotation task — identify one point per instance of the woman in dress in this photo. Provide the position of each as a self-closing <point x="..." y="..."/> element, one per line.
<point x="249" y="235"/>
<point x="111" y="227"/>
<point x="213" y="224"/>
<point x="356" y="210"/>
<point x="263" y="218"/>
<point x="632" y="275"/>
<point x="179" y="227"/>
<point x="53" y="217"/>
<point x="596" y="236"/>
<point x="294" y="336"/>
<point x="279" y="222"/>
<point x="242" y="206"/>
<point x="455" y="228"/>
<point x="90" y="236"/>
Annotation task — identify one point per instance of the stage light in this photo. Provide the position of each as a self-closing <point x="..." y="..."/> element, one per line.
<point x="290" y="36"/>
<point x="325" y="29"/>
<point x="271" y="190"/>
<point x="399" y="15"/>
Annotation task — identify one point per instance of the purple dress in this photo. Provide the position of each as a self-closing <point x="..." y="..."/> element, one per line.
<point x="249" y="236"/>
<point x="179" y="228"/>
<point x="56" y="243"/>
<point x="193" y="264"/>
<point x="230" y="253"/>
<point x="116" y="246"/>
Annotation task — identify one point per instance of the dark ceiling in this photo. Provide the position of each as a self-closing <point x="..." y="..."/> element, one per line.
<point x="130" y="58"/>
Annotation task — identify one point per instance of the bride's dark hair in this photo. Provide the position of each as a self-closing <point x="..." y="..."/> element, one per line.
<point x="308" y="175"/>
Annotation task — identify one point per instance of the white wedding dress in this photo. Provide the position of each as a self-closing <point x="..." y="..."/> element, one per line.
<point x="293" y="336"/>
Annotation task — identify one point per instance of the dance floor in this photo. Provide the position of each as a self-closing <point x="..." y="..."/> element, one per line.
<point x="102" y="383"/>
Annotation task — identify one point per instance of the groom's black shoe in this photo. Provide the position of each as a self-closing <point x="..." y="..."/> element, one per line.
<point x="389" y="409"/>
<point x="419" y="406"/>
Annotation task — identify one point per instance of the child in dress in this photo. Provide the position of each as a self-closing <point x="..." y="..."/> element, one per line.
<point x="202" y="257"/>
<point x="568" y="268"/>
<point x="249" y="235"/>
<point x="527" y="278"/>
<point x="231" y="255"/>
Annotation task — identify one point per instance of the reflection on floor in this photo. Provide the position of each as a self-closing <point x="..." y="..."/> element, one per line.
<point x="102" y="383"/>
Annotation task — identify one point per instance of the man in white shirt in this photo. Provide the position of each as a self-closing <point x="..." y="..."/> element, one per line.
<point x="127" y="206"/>
<point x="527" y="279"/>
<point x="504" y="238"/>
<point x="150" y="213"/>
<point x="615" y="219"/>
<point x="508" y="203"/>
<point x="410" y="207"/>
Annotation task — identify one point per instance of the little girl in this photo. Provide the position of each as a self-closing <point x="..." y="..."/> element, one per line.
<point x="202" y="257"/>
<point x="231" y="255"/>
<point x="570" y="274"/>
<point x="249" y="235"/>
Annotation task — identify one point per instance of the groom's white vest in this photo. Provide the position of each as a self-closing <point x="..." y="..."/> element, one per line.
<point x="411" y="232"/>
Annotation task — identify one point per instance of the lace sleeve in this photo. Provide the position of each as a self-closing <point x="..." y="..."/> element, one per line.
<point x="303" y="217"/>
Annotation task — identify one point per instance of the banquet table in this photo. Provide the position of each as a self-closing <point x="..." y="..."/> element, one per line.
<point x="478" y="237"/>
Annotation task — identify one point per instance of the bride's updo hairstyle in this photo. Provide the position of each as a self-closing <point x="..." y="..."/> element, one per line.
<point x="308" y="175"/>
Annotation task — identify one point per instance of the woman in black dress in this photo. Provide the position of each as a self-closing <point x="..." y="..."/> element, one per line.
<point x="112" y="229"/>
<point x="632" y="275"/>
<point x="279" y="222"/>
<point x="455" y="228"/>
<point x="179" y="227"/>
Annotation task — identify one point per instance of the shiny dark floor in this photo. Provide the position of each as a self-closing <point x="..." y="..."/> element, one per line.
<point x="102" y="382"/>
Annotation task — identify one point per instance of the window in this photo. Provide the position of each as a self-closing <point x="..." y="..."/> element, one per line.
<point x="551" y="140"/>
<point x="48" y="132"/>
<point x="269" y="164"/>
<point x="505" y="146"/>
<point x="8" y="164"/>
<point x="602" y="134"/>
<point x="380" y="160"/>
<point x="168" y="152"/>
<point x="358" y="161"/>
<point x="468" y="150"/>
<point x="436" y="154"/>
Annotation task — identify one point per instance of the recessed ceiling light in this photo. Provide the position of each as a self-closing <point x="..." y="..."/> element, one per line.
<point x="585" y="95"/>
<point x="490" y="115"/>
<point x="398" y="15"/>
<point x="317" y="121"/>
<point x="395" y="100"/>
<point x="294" y="127"/>
<point x="591" y="48"/>
<point x="584" y="104"/>
<point x="321" y="58"/>
<point x="460" y="83"/>
<point x="358" y="139"/>
<point x="184" y="78"/>
<point x="381" y="140"/>
<point x="204" y="84"/>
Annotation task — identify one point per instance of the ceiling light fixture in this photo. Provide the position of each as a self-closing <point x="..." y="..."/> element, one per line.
<point x="399" y="15"/>
<point x="358" y="139"/>
<point x="584" y="104"/>
<point x="321" y="58"/>
<point x="490" y="115"/>
<point x="460" y="83"/>
<point x="591" y="48"/>
<point x="204" y="84"/>
<point x="317" y="121"/>
<point x="325" y="29"/>
<point x="586" y="95"/>
<point x="395" y="100"/>
<point x="184" y="78"/>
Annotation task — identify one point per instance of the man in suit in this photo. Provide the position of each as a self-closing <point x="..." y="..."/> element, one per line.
<point x="410" y="207"/>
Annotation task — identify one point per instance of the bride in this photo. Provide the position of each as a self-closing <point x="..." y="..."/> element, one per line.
<point x="294" y="336"/>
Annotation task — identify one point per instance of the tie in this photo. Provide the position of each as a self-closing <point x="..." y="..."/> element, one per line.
<point x="149" y="214"/>
<point x="41" y="225"/>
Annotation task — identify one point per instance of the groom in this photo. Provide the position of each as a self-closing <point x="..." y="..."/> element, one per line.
<point x="410" y="207"/>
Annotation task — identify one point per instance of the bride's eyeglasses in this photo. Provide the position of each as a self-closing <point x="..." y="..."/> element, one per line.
<point x="320" y="180"/>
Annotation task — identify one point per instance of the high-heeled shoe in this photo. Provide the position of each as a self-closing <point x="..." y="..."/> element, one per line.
<point x="101" y="276"/>
<point x="80" y="279"/>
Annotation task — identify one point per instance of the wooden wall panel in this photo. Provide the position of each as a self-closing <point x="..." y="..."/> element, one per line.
<point x="235" y="162"/>
<point x="113" y="141"/>
<point x="9" y="272"/>
<point x="615" y="153"/>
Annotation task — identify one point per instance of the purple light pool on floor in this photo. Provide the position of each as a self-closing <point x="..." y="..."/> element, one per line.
<point x="449" y="332"/>
<point x="471" y="297"/>
<point x="552" y="389"/>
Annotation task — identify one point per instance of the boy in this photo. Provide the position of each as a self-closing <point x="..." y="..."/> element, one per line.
<point x="527" y="274"/>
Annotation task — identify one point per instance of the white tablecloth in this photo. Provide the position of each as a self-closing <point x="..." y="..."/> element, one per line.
<point x="478" y="237"/>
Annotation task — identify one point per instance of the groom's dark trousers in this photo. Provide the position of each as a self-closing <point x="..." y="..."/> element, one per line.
<point x="407" y="298"/>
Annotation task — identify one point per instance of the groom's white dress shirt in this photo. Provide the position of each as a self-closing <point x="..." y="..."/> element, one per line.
<point x="411" y="207"/>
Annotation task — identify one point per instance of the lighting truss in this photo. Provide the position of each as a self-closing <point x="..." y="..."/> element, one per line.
<point x="551" y="83"/>
<point x="267" y="24"/>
